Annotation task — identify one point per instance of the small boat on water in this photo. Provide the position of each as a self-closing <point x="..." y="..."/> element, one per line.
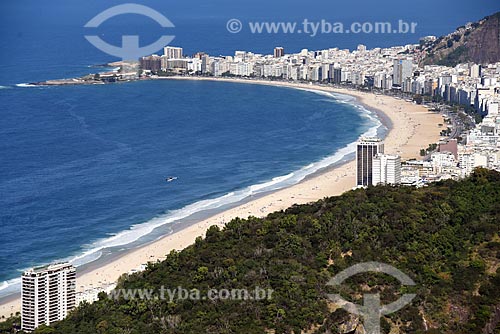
<point x="171" y="178"/>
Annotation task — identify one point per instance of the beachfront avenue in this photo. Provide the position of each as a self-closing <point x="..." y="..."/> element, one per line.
<point x="181" y="293"/>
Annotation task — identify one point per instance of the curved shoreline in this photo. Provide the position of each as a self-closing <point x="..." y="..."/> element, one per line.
<point x="146" y="232"/>
<point x="408" y="127"/>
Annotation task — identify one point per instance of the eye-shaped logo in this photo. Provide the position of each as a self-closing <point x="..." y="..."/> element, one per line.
<point x="371" y="310"/>
<point x="130" y="49"/>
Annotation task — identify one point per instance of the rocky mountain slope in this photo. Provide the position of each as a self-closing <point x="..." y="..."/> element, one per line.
<point x="475" y="42"/>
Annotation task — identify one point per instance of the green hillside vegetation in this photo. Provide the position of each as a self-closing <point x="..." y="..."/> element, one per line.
<point x="445" y="237"/>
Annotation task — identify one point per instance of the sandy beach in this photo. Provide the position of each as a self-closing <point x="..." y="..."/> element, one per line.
<point x="413" y="128"/>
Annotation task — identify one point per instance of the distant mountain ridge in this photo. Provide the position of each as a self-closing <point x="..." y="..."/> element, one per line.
<point x="477" y="42"/>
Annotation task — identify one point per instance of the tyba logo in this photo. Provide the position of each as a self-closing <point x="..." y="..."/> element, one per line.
<point x="371" y="310"/>
<point x="130" y="49"/>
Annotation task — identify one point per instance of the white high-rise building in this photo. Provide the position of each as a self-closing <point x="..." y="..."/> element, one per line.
<point x="386" y="169"/>
<point x="367" y="149"/>
<point x="403" y="69"/>
<point x="172" y="52"/>
<point x="475" y="71"/>
<point x="48" y="294"/>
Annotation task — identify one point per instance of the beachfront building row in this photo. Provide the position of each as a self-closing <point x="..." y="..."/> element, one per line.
<point x="47" y="295"/>
<point x="396" y="69"/>
<point x="383" y="68"/>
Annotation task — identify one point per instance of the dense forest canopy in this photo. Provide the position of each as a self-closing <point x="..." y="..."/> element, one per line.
<point x="445" y="237"/>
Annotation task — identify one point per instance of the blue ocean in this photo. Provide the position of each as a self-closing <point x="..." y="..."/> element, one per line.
<point x="83" y="168"/>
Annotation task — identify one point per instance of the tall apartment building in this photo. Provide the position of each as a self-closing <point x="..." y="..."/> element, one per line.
<point x="48" y="294"/>
<point x="172" y="52"/>
<point x="279" y="52"/>
<point x="475" y="71"/>
<point x="386" y="169"/>
<point x="403" y="69"/>
<point x="334" y="74"/>
<point x="367" y="149"/>
<point x="151" y="63"/>
<point x="205" y="64"/>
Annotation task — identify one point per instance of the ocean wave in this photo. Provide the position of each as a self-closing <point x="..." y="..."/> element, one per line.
<point x="317" y="91"/>
<point x="25" y="85"/>
<point x="10" y="287"/>
<point x="5" y="87"/>
<point x="270" y="184"/>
